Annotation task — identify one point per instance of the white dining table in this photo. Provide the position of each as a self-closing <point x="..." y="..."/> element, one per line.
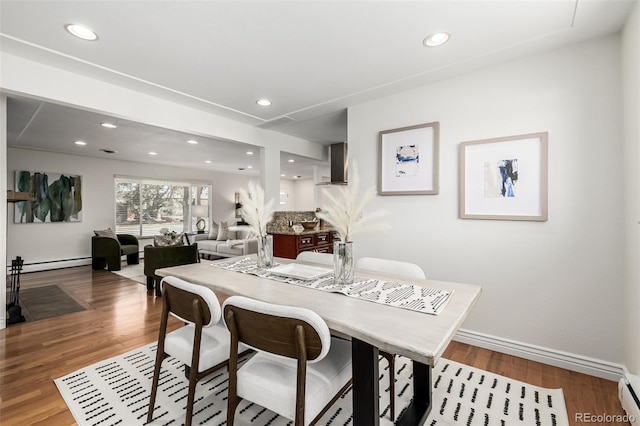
<point x="371" y="327"/>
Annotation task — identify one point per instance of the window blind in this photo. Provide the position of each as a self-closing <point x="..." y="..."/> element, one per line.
<point x="144" y="206"/>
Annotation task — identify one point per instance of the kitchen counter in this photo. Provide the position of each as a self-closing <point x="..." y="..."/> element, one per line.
<point x="305" y="232"/>
<point x="281" y="220"/>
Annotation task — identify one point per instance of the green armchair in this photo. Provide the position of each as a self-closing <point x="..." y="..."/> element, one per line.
<point x="163" y="257"/>
<point x="107" y="251"/>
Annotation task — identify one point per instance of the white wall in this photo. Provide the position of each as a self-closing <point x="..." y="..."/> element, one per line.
<point x="287" y="186"/>
<point x="46" y="242"/>
<point x="223" y="193"/>
<point x="631" y="128"/>
<point x="555" y="284"/>
<point x="304" y="192"/>
<point x="3" y="200"/>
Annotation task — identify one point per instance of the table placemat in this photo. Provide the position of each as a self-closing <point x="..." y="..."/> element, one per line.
<point x="393" y="293"/>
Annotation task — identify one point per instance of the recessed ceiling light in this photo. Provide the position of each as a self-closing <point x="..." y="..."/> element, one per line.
<point x="207" y="161"/>
<point x="291" y="160"/>
<point x="436" y="39"/>
<point x="249" y="152"/>
<point x="281" y="175"/>
<point x="249" y="167"/>
<point x="153" y="153"/>
<point x="80" y="143"/>
<point x="81" y="31"/>
<point x="108" y="125"/>
<point x="263" y="102"/>
<point x="192" y="142"/>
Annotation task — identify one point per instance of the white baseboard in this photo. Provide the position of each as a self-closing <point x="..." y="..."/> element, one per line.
<point x="58" y="264"/>
<point x="569" y="361"/>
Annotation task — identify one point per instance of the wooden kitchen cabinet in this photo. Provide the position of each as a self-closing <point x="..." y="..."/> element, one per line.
<point x="290" y="245"/>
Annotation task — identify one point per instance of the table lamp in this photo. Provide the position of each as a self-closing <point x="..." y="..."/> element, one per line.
<point x="200" y="212"/>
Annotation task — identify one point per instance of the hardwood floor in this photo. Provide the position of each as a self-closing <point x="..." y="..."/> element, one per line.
<point x="121" y="316"/>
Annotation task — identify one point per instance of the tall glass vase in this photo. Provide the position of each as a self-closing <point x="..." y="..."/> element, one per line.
<point x="343" y="262"/>
<point x="265" y="251"/>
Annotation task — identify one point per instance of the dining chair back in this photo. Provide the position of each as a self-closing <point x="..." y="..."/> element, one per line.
<point x="299" y="369"/>
<point x="316" y="257"/>
<point x="396" y="267"/>
<point x="403" y="269"/>
<point x="202" y="345"/>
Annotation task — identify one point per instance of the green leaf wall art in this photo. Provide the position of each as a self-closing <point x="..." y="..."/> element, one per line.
<point x="58" y="197"/>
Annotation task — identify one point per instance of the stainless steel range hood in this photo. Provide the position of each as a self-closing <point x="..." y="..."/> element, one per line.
<point x="338" y="164"/>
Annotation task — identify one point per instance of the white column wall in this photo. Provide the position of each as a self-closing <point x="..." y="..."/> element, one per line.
<point x="631" y="128"/>
<point x="270" y="174"/>
<point x="557" y="284"/>
<point x="3" y="211"/>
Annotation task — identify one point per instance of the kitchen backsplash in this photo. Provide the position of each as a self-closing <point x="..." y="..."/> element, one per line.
<point x="280" y="223"/>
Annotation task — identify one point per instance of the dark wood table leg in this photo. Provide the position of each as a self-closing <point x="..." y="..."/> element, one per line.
<point x="417" y="412"/>
<point x="365" y="384"/>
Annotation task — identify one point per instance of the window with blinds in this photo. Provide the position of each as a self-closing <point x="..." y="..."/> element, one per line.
<point x="144" y="206"/>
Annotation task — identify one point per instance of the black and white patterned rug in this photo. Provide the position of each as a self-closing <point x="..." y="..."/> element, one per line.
<point x="116" y="392"/>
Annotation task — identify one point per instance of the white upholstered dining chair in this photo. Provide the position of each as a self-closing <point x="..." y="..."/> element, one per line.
<point x="299" y="370"/>
<point x="403" y="269"/>
<point x="202" y="345"/>
<point x="396" y="267"/>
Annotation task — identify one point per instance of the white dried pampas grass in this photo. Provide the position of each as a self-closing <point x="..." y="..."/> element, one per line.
<point x="345" y="211"/>
<point x="254" y="210"/>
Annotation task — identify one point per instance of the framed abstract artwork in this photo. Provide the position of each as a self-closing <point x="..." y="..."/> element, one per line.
<point x="408" y="160"/>
<point x="504" y="178"/>
<point x="57" y="197"/>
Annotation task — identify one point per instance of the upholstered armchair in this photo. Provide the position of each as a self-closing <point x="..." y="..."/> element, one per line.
<point x="163" y="257"/>
<point x="108" y="251"/>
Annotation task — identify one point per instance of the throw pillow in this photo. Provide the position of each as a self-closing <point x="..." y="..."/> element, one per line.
<point x="223" y="232"/>
<point x="179" y="239"/>
<point x="213" y="232"/>
<point x="105" y="233"/>
<point x="162" y="241"/>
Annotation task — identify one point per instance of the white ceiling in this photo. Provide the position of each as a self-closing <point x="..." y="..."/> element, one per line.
<point x="312" y="59"/>
<point x="33" y="124"/>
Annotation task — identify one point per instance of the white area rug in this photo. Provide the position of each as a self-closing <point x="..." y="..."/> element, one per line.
<point x="116" y="391"/>
<point x="133" y="272"/>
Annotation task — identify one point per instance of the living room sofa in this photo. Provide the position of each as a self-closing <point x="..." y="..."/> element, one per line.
<point x="237" y="244"/>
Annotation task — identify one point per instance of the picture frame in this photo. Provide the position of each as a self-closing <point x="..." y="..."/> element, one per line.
<point x="55" y="197"/>
<point x="409" y="159"/>
<point x="505" y="178"/>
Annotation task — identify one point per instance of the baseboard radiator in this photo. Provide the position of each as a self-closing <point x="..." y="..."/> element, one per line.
<point x="629" y="394"/>
<point x="55" y="264"/>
